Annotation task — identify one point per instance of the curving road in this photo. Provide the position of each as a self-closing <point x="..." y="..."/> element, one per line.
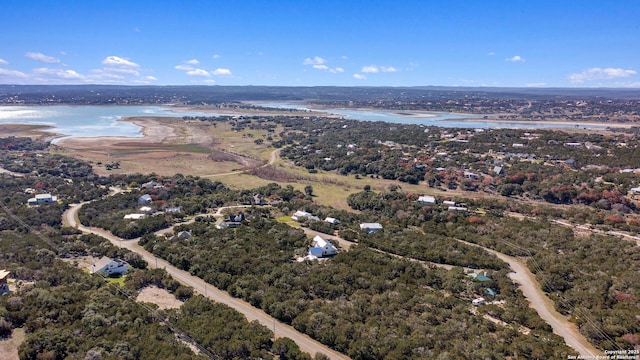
<point x="539" y="301"/>
<point x="305" y="342"/>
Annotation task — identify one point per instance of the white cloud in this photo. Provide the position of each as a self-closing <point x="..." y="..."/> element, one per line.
<point x="13" y="73"/>
<point x="59" y="73"/>
<point x="336" y="70"/>
<point x="192" y="62"/>
<point x="516" y="58"/>
<point x="198" y="72"/>
<point x="370" y="69"/>
<point x="541" y="84"/>
<point x="183" y="67"/>
<point x="209" y="81"/>
<point x="215" y="56"/>
<point x="150" y="78"/>
<point x="118" y="61"/>
<point x="601" y="74"/>
<point x="344" y="57"/>
<point x="42" y="57"/>
<point x="491" y="53"/>
<point x="388" y="69"/>
<point x="359" y="76"/>
<point x="321" y="67"/>
<point x="222" y="72"/>
<point x="3" y="62"/>
<point x="315" y="61"/>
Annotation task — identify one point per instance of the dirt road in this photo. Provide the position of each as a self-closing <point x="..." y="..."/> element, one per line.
<point x="543" y="305"/>
<point x="305" y="343"/>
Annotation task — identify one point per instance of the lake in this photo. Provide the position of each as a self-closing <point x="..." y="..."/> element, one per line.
<point x="93" y="121"/>
<point x="87" y="121"/>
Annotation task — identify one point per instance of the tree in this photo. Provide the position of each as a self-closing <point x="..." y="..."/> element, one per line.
<point x="308" y="190"/>
<point x="367" y="188"/>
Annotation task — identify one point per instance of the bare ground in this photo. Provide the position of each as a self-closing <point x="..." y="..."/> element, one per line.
<point x="160" y="297"/>
<point x="9" y="346"/>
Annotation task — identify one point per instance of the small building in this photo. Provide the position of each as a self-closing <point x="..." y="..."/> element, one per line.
<point x="426" y="200"/>
<point x="457" y="208"/>
<point x="303" y="215"/>
<point x="479" y="277"/>
<point x="109" y="266"/>
<point x="174" y="209"/>
<point x="185" y="235"/>
<point x="449" y="203"/>
<point x="371" y="228"/>
<point x="331" y="220"/>
<point x="478" y="301"/>
<point x="4" y="282"/>
<point x="634" y="191"/>
<point x="145" y="199"/>
<point x="151" y="185"/>
<point x="326" y="248"/>
<point x="497" y="170"/>
<point x="258" y="200"/>
<point x="135" y="216"/>
<point x="41" y="199"/>
<point x="146" y="209"/>
<point x="490" y="292"/>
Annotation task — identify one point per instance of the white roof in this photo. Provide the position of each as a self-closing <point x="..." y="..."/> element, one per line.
<point x="370" y="226"/>
<point x="43" y="196"/>
<point x="3" y="274"/>
<point x="427" y="199"/>
<point x="134" y="216"/>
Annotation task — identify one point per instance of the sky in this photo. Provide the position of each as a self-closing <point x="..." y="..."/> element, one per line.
<point x="510" y="43"/>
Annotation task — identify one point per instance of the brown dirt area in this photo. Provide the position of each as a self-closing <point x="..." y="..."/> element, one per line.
<point x="160" y="297"/>
<point x="9" y="346"/>
<point x="168" y="146"/>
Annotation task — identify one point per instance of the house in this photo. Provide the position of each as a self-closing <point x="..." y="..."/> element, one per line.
<point x="478" y="301"/>
<point x="41" y="199"/>
<point x="490" y="292"/>
<point x="634" y="191"/>
<point x="135" y="216"/>
<point x="326" y="248"/>
<point x="331" y="220"/>
<point x="258" y="199"/>
<point x="4" y="284"/>
<point x="426" y="200"/>
<point x="174" y="209"/>
<point x="497" y="170"/>
<point x="227" y="225"/>
<point x="371" y="227"/>
<point x="479" y="277"/>
<point x="303" y="215"/>
<point x="146" y="209"/>
<point x="457" y="208"/>
<point x="151" y="185"/>
<point x="109" y="266"/>
<point x="449" y="203"/>
<point x="185" y="235"/>
<point x="145" y="199"/>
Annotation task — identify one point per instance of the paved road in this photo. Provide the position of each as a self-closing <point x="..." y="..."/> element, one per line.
<point x="305" y="343"/>
<point x="5" y="171"/>
<point x="543" y="305"/>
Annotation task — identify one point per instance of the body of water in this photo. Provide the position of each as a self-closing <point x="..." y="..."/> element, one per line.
<point x="93" y="121"/>
<point x="87" y="121"/>
<point x="427" y="118"/>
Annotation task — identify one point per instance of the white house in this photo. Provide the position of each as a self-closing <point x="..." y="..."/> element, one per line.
<point x="41" y="199"/>
<point x="135" y="216"/>
<point x="635" y="191"/>
<point x="109" y="266"/>
<point x="371" y="227"/>
<point x="322" y="247"/>
<point x="457" y="208"/>
<point x="449" y="203"/>
<point x="303" y="215"/>
<point x="478" y="301"/>
<point x="426" y="200"/>
<point x="331" y="220"/>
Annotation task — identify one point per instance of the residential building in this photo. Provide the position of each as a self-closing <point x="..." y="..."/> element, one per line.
<point x="371" y="227"/>
<point x="331" y="220"/>
<point x="109" y="266"/>
<point x="426" y="200"/>
<point x="41" y="199"/>
<point x="322" y="247"/>
<point x="303" y="215"/>
<point x="145" y="199"/>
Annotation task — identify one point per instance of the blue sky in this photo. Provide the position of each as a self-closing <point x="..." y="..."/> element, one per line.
<point x="586" y="43"/>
